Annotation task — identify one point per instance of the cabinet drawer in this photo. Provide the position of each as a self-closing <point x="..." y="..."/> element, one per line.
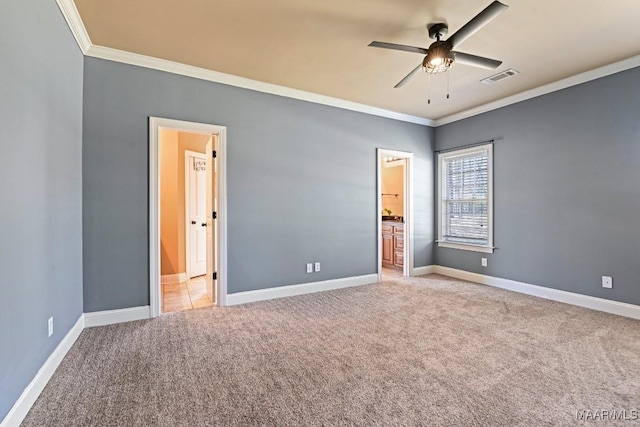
<point x="398" y="229"/>
<point x="387" y="229"/>
<point x="398" y="259"/>
<point x="398" y="242"/>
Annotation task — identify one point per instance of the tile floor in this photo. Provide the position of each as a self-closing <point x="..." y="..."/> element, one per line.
<point x="390" y="273"/>
<point x="185" y="295"/>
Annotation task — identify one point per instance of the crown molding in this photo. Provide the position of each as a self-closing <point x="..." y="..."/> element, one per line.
<point x="130" y="58"/>
<point x="72" y="16"/>
<point x="596" y="73"/>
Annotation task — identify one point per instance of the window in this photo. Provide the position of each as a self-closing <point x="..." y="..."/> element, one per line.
<point x="465" y="187"/>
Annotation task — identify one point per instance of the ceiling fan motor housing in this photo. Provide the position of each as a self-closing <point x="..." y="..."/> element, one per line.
<point x="438" y="30"/>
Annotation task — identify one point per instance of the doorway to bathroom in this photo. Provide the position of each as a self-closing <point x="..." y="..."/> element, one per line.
<point x="187" y="249"/>
<point x="395" y="238"/>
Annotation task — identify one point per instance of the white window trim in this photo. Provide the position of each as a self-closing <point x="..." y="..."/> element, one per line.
<point x="488" y="249"/>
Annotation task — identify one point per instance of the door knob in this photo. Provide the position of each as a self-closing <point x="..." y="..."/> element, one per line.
<point x="193" y="223"/>
<point x="204" y="224"/>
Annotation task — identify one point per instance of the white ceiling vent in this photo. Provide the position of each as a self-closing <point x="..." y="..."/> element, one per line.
<point x="500" y="76"/>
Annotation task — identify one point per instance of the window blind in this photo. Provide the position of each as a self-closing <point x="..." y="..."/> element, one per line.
<point x="465" y="197"/>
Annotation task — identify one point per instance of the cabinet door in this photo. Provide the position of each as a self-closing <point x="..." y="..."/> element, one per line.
<point x="387" y="250"/>
<point x="398" y="260"/>
<point x="398" y="242"/>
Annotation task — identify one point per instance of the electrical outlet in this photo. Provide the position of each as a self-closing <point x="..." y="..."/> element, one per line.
<point x="484" y="262"/>
<point x="607" y="282"/>
<point x="309" y="267"/>
<point x="317" y="267"/>
<point x="50" y="326"/>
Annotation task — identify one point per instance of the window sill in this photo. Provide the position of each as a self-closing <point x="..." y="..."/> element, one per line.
<point x="466" y="247"/>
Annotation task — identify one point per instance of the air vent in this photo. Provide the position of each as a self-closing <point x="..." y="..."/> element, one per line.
<point x="500" y="76"/>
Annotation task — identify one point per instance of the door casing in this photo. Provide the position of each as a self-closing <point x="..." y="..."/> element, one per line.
<point x="155" y="125"/>
<point x="408" y="208"/>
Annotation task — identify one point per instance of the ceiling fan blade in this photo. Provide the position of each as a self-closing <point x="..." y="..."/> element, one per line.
<point x="408" y="76"/>
<point x="399" y="47"/>
<point x="476" y="61"/>
<point x="479" y="21"/>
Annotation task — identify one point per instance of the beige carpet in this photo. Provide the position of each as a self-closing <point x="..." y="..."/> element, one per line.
<point x="420" y="351"/>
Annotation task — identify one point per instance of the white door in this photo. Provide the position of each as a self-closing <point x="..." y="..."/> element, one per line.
<point x="197" y="213"/>
<point x="211" y="223"/>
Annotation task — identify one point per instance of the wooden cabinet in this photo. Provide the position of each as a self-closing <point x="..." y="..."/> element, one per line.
<point x="393" y="245"/>
<point x="387" y="250"/>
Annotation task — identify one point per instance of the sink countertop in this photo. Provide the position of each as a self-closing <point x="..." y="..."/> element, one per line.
<point x="386" y="218"/>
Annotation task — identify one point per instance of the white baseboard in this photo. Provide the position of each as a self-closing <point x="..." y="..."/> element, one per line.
<point x="28" y="397"/>
<point x="594" y="303"/>
<point x="304" y="288"/>
<point x="109" y="317"/>
<point x="421" y="271"/>
<point x="32" y="391"/>
<point x="173" y="278"/>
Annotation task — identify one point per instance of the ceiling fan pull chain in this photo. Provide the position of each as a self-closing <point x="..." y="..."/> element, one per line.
<point x="448" y="78"/>
<point x="429" y="89"/>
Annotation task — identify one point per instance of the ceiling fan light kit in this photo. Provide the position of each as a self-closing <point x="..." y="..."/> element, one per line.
<point x="439" y="59"/>
<point x="440" y="55"/>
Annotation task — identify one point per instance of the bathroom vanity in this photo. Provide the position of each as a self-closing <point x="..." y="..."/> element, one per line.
<point x="393" y="244"/>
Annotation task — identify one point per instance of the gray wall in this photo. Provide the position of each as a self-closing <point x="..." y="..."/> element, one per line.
<point x="301" y="182"/>
<point x="566" y="186"/>
<point x="41" y="214"/>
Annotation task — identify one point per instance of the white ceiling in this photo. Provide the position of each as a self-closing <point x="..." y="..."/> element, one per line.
<point x="321" y="46"/>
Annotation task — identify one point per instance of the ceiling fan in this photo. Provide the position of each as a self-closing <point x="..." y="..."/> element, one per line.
<point x="440" y="55"/>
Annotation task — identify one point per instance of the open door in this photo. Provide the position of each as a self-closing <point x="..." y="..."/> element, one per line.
<point x="211" y="223"/>
<point x="196" y="210"/>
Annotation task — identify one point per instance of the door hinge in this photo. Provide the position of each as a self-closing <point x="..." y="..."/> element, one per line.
<point x="214" y="153"/>
<point x="215" y="275"/>
<point x="214" y="215"/>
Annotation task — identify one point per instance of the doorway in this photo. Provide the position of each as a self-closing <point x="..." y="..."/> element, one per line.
<point x="186" y="215"/>
<point x="395" y="204"/>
